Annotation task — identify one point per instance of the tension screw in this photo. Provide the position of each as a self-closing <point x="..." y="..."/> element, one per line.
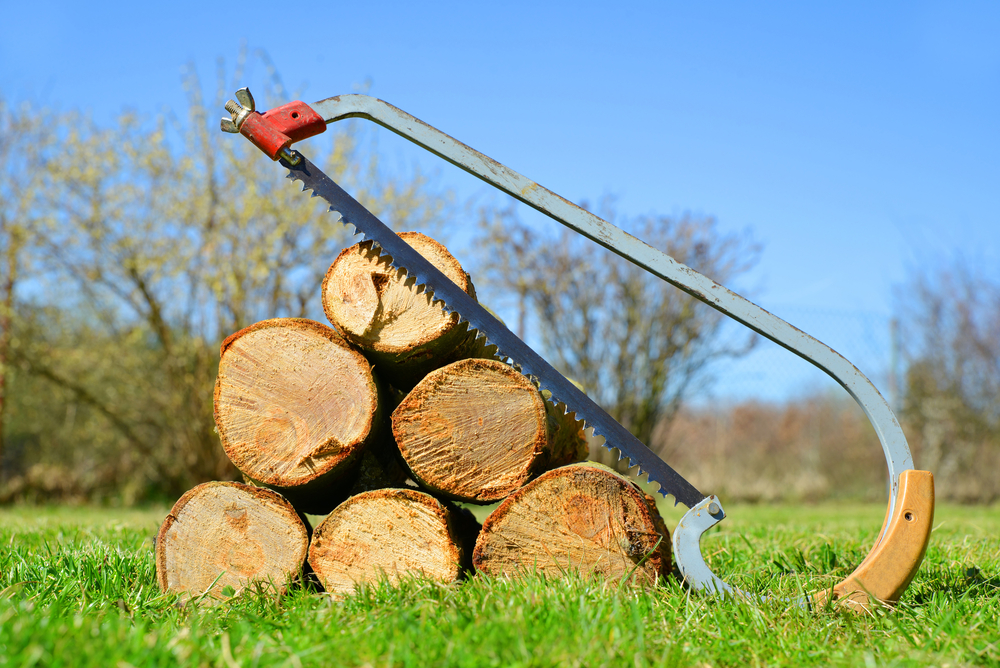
<point x="238" y="110"/>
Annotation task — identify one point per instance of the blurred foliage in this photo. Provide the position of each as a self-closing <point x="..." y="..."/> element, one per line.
<point x="819" y="446"/>
<point x="24" y="150"/>
<point x="636" y="344"/>
<point x="136" y="249"/>
<point x="822" y="446"/>
<point x="950" y="319"/>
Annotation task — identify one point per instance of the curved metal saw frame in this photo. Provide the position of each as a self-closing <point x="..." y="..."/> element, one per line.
<point x="893" y="560"/>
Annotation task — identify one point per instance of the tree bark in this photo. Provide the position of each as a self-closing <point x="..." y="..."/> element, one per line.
<point x="227" y="534"/>
<point x="296" y="408"/>
<point x="476" y="430"/>
<point x="391" y="534"/>
<point x="585" y="518"/>
<point x="378" y="310"/>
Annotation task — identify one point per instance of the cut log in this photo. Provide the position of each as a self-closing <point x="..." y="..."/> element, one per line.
<point x="584" y="517"/>
<point x="296" y="408"/>
<point x="476" y="430"/>
<point x="390" y="533"/>
<point x="223" y="535"/>
<point x="378" y="310"/>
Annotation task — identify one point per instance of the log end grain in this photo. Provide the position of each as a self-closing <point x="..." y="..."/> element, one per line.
<point x="579" y="518"/>
<point x="377" y="308"/>
<point x="381" y="312"/>
<point x="227" y="534"/>
<point x="293" y="402"/>
<point x="390" y="534"/>
<point x="474" y="430"/>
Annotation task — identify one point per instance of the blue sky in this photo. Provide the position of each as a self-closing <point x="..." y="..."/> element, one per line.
<point x="856" y="140"/>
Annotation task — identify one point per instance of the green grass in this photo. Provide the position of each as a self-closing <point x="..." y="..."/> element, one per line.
<point x="77" y="587"/>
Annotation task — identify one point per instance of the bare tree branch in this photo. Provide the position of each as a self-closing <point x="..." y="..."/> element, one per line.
<point x="636" y="344"/>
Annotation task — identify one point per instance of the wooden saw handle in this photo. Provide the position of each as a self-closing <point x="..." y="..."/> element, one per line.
<point x="888" y="569"/>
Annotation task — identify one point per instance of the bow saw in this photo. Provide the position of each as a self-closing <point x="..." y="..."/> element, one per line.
<point x="882" y="576"/>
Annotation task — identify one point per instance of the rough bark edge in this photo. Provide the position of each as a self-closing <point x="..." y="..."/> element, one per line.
<point x="646" y="504"/>
<point x="332" y="471"/>
<point x="319" y="327"/>
<point x="540" y="447"/>
<point x="268" y="496"/>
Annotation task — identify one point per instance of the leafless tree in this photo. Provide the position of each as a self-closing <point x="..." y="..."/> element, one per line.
<point x="950" y="325"/>
<point x="636" y="344"/>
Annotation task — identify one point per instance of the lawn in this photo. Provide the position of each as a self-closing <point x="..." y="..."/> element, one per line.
<point x="77" y="587"/>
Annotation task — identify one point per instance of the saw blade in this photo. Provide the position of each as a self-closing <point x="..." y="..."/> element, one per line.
<point x="454" y="300"/>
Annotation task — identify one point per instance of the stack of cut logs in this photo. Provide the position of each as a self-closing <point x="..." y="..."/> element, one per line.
<point x="381" y="423"/>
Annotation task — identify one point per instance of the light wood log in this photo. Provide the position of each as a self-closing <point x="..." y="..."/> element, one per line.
<point x="476" y="430"/>
<point x="583" y="517"/>
<point x="379" y="310"/>
<point x="227" y="534"/>
<point x="296" y="408"/>
<point x="390" y="533"/>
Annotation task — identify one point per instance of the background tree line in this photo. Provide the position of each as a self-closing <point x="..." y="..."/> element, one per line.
<point x="130" y="251"/>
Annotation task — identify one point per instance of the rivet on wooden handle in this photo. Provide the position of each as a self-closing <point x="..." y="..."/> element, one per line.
<point x="888" y="569"/>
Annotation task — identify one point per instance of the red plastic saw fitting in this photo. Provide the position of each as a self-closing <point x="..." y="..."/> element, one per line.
<point x="277" y="129"/>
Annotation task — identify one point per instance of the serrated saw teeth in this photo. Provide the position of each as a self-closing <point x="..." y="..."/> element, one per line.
<point x="453" y="299"/>
<point x="893" y="565"/>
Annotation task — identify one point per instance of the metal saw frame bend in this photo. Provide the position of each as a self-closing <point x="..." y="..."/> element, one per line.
<point x="898" y="551"/>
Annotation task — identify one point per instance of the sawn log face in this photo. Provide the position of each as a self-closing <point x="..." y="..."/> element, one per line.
<point x="389" y="533"/>
<point x="227" y="534"/>
<point x="378" y="310"/>
<point x="476" y="430"/>
<point x="582" y="518"/>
